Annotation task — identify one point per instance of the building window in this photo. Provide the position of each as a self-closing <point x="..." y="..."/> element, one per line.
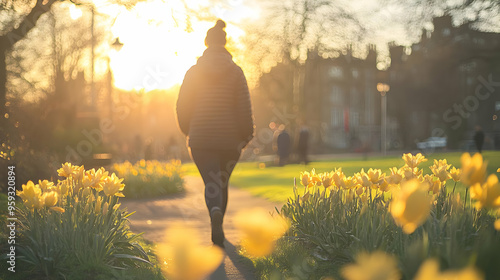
<point x="354" y="121"/>
<point x="336" y="72"/>
<point x="336" y="95"/>
<point x="337" y="117"/>
<point x="354" y="100"/>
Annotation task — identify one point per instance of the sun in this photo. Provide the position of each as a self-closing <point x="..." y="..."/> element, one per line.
<point x="161" y="41"/>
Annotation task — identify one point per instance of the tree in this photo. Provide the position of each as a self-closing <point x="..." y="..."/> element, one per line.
<point x="18" y="19"/>
<point x="482" y="14"/>
<point x="288" y="33"/>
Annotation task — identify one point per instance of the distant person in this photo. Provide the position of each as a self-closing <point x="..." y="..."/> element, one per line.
<point x="479" y="138"/>
<point x="214" y="111"/>
<point x="303" y="145"/>
<point x="283" y="143"/>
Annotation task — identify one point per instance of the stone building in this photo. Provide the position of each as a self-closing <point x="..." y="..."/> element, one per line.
<point x="446" y="84"/>
<point x="336" y="98"/>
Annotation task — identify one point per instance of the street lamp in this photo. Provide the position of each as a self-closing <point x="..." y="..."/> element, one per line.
<point x="383" y="89"/>
<point x="116" y="46"/>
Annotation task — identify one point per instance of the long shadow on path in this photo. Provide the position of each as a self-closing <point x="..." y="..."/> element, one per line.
<point x="154" y="216"/>
<point x="234" y="266"/>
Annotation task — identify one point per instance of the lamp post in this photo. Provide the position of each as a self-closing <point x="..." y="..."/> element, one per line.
<point x="116" y="46"/>
<point x="383" y="89"/>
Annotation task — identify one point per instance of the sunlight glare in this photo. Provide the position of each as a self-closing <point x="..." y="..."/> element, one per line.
<point x="75" y="12"/>
<point x="157" y="47"/>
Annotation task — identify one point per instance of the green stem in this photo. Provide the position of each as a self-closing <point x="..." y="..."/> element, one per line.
<point x="454" y="187"/>
<point x="465" y="200"/>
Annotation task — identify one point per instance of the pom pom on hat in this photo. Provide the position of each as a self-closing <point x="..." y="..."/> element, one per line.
<point x="216" y="36"/>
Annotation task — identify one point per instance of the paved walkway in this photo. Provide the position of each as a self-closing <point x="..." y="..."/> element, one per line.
<point x="153" y="216"/>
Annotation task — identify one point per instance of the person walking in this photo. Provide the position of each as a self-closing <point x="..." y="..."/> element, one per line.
<point x="214" y="111"/>
<point x="283" y="143"/>
<point x="303" y="145"/>
<point x="479" y="138"/>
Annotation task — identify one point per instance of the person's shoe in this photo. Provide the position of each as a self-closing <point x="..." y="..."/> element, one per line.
<point x="217" y="232"/>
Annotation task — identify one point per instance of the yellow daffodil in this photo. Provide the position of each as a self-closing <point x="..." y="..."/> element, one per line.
<point x="455" y="173"/>
<point x="486" y="195"/>
<point x="498" y="170"/>
<point x="260" y="231"/>
<point x="360" y="190"/>
<point x="315" y="178"/>
<point x="46" y="185"/>
<point x="363" y="179"/>
<point x="396" y="176"/>
<point x="79" y="171"/>
<point x="30" y="195"/>
<point x="184" y="257"/>
<point x="385" y="186"/>
<point x="440" y="170"/>
<point x="113" y="185"/>
<point x="429" y="270"/>
<point x="411" y="173"/>
<point x="326" y="179"/>
<point x="434" y="185"/>
<point x="473" y="169"/>
<point x="413" y="161"/>
<point x="411" y="206"/>
<point x="348" y="183"/>
<point x="305" y="178"/>
<point x="375" y="175"/>
<point x="66" y="170"/>
<point x="338" y="177"/>
<point x="377" y="265"/>
<point x="49" y="199"/>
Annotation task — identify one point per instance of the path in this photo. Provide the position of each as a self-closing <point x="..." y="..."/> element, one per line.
<point x="153" y="216"/>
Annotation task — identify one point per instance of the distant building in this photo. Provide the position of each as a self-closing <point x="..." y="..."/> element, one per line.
<point x="446" y="84"/>
<point x="335" y="97"/>
<point x="443" y="86"/>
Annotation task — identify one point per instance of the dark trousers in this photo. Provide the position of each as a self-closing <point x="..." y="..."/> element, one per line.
<point x="215" y="167"/>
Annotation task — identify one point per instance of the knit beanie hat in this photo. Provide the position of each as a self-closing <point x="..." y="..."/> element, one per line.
<point x="216" y="36"/>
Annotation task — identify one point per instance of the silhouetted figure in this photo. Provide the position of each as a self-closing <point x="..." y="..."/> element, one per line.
<point x="283" y="143"/>
<point x="214" y="111"/>
<point x="479" y="138"/>
<point x="303" y="145"/>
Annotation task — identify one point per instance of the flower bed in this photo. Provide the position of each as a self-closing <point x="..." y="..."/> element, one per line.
<point x="402" y="225"/>
<point x="75" y="229"/>
<point x="150" y="178"/>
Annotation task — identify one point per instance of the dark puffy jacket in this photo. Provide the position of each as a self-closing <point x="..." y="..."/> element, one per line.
<point x="213" y="108"/>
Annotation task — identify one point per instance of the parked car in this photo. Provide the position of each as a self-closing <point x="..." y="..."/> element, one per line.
<point x="432" y="143"/>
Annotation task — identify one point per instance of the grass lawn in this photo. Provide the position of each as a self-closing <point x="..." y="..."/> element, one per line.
<point x="276" y="183"/>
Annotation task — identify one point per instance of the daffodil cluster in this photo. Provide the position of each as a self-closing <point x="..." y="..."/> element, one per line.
<point x="77" y="183"/>
<point x="413" y="191"/>
<point x="150" y="178"/>
<point x="78" y="217"/>
<point x="149" y="169"/>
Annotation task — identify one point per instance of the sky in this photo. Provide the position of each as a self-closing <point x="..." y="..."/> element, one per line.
<point x="159" y="47"/>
